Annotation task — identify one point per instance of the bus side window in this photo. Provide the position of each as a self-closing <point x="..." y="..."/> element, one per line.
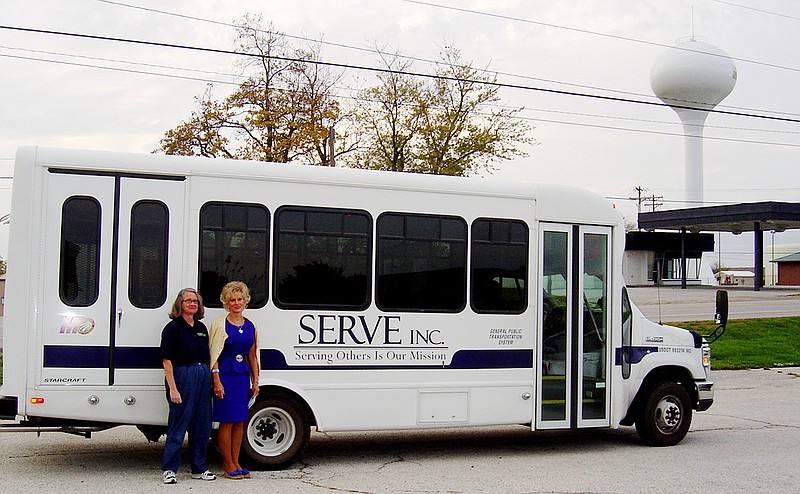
<point x="421" y="263"/>
<point x="323" y="258"/>
<point x="78" y="282"/>
<point x="234" y="246"/>
<point x="627" y="330"/>
<point x="499" y="266"/>
<point x="147" y="288"/>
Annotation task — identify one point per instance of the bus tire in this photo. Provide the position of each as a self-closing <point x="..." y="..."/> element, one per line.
<point x="275" y="433"/>
<point x="666" y="416"/>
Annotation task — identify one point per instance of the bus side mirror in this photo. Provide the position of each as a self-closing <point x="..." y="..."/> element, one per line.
<point x="721" y="317"/>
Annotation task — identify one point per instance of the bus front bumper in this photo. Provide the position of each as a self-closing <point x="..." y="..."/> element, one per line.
<point x="705" y="394"/>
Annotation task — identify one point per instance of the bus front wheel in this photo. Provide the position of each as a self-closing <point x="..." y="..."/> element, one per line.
<point x="275" y="433"/>
<point x="666" y="416"/>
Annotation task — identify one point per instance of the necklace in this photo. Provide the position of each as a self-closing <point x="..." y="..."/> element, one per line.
<point x="240" y="327"/>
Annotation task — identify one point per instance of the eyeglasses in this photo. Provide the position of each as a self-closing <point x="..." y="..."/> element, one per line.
<point x="191" y="302"/>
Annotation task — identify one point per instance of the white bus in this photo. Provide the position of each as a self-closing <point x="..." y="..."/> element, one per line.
<point x="384" y="300"/>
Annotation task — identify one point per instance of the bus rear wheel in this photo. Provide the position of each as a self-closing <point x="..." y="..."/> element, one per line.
<point x="275" y="433"/>
<point x="666" y="415"/>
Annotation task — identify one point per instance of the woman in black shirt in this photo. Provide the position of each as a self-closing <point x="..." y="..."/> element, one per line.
<point x="185" y="355"/>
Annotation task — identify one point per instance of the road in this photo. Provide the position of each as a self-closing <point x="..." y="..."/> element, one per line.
<point x="696" y="303"/>
<point x="747" y="442"/>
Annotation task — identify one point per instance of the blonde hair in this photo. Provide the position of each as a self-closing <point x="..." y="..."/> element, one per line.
<point x="177" y="310"/>
<point x="232" y="288"/>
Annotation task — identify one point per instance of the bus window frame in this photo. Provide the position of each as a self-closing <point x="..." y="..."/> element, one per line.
<point x="342" y="233"/>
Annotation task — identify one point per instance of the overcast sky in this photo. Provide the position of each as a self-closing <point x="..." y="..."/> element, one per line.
<point x="83" y="93"/>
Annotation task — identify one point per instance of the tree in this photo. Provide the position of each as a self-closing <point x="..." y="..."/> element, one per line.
<point x="450" y="125"/>
<point x="464" y="129"/>
<point x="283" y="110"/>
<point x="390" y="118"/>
<point x="202" y="134"/>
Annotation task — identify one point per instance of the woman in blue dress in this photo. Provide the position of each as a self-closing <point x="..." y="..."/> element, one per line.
<point x="233" y="343"/>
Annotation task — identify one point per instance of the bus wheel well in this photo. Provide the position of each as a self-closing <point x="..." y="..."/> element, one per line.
<point x="294" y="397"/>
<point x="667" y="373"/>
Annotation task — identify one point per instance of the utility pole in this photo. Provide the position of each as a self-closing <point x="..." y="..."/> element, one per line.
<point x="655" y="201"/>
<point x="639" y="190"/>
<point x="331" y="141"/>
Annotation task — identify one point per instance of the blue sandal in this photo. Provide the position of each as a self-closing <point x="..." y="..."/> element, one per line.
<point x="245" y="473"/>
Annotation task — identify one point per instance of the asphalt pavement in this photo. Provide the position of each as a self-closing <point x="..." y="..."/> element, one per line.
<point x="746" y="442"/>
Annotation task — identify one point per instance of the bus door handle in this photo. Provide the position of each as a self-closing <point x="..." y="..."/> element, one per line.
<point x="120" y="313"/>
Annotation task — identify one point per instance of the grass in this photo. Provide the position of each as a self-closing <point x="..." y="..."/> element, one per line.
<point x="753" y="343"/>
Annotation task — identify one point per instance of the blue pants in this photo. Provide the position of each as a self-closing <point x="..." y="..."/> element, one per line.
<point x="192" y="415"/>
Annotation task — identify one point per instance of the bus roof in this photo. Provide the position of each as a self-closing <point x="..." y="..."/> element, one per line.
<point x="555" y="202"/>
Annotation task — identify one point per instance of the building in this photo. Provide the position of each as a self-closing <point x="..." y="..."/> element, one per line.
<point x="788" y="269"/>
<point x="662" y="258"/>
<point x="757" y="217"/>
<point x="738" y="277"/>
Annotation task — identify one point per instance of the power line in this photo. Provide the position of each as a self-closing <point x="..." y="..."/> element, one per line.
<point x="184" y="69"/>
<point x="362" y="49"/>
<point x="660" y="200"/>
<point x="418" y="59"/>
<point x="561" y="112"/>
<point x="757" y="10"/>
<point x="114" y="60"/>
<point x="644" y="120"/>
<point x="115" y="69"/>
<point x="656" y="132"/>
<point x="586" y="31"/>
<point x="519" y="117"/>
<point x="396" y="72"/>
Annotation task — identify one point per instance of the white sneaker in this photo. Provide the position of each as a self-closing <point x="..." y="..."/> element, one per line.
<point x="207" y="475"/>
<point x="169" y="477"/>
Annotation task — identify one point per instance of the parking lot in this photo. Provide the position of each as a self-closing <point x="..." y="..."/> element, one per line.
<point x="747" y="442"/>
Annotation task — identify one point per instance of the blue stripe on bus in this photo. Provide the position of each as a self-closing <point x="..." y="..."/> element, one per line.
<point x="636" y="355"/>
<point x="73" y="357"/>
<point x="137" y="358"/>
<point x="96" y="357"/>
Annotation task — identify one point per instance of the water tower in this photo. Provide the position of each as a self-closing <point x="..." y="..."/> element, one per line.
<point x="693" y="77"/>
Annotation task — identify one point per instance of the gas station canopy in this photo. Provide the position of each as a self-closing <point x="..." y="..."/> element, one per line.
<point x="757" y="217"/>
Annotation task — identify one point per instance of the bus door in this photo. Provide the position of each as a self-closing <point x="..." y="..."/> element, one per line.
<point x="573" y="351"/>
<point x="112" y="266"/>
